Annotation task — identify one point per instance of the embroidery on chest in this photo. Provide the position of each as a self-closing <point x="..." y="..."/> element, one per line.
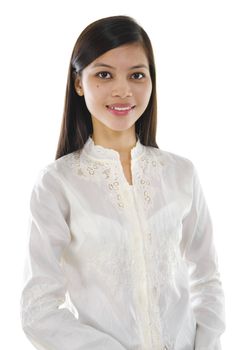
<point x="111" y="172"/>
<point x="143" y="177"/>
<point x="99" y="172"/>
<point x="114" y="267"/>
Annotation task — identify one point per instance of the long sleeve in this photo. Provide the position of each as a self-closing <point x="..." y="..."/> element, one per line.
<point x="47" y="325"/>
<point x="207" y="297"/>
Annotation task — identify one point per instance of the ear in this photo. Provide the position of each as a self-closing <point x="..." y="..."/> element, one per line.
<point x="78" y="86"/>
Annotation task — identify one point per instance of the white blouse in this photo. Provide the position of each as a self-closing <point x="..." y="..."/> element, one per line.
<point x="117" y="266"/>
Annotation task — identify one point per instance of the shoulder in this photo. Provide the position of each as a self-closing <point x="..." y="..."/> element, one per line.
<point x="54" y="173"/>
<point x="169" y="158"/>
<point x="172" y="162"/>
<point x="49" y="193"/>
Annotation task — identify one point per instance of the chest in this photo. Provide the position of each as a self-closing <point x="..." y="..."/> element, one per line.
<point x="127" y="172"/>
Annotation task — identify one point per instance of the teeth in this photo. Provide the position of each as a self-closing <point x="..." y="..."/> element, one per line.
<point x="121" y="108"/>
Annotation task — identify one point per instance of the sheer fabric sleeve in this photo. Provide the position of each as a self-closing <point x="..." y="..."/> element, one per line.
<point x="207" y="297"/>
<point x="46" y="325"/>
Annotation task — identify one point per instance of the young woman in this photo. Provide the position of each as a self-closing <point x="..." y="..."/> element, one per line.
<point x="121" y="252"/>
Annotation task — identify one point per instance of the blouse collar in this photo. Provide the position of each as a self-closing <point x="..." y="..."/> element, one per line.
<point x="100" y="152"/>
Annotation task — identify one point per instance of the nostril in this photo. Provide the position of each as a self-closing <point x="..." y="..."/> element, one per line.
<point x="121" y="93"/>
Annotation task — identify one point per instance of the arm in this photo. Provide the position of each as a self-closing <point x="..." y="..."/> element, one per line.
<point x="206" y="292"/>
<point x="47" y="326"/>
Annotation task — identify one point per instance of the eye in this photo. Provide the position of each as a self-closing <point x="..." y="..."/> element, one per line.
<point x="103" y="75"/>
<point x="138" y="76"/>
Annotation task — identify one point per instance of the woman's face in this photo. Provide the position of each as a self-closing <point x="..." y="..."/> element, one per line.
<point x="117" y="87"/>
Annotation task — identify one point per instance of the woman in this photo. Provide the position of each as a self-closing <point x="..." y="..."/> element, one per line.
<point x="121" y="252"/>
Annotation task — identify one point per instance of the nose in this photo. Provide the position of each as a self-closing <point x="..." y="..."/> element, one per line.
<point x="121" y="89"/>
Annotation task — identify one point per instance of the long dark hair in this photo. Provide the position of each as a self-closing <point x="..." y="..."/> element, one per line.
<point x="96" y="39"/>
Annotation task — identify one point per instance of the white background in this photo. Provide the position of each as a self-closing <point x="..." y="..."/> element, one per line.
<point x="193" y="53"/>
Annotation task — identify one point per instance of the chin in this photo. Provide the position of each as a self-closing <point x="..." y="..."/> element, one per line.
<point x="120" y="128"/>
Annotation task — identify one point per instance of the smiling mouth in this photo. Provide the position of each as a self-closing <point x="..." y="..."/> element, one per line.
<point x="122" y="109"/>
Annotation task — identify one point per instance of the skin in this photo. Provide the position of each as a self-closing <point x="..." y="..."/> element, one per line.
<point x="102" y="86"/>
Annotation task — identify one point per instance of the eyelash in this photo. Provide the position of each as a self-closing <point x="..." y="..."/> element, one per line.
<point x="98" y="75"/>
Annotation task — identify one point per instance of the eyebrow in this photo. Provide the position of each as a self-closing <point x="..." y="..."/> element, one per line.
<point x="108" y="66"/>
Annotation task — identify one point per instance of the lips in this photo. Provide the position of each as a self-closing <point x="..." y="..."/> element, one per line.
<point x="120" y="106"/>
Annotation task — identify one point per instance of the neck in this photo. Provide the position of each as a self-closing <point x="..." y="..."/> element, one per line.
<point x="122" y="144"/>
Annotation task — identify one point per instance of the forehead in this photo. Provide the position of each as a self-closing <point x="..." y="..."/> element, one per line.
<point x="125" y="55"/>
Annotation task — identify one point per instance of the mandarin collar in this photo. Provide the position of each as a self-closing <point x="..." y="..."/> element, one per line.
<point x="103" y="153"/>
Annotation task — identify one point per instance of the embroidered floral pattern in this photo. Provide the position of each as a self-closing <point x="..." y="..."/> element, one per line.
<point x="98" y="171"/>
<point x="114" y="266"/>
<point x="165" y="256"/>
<point x="147" y="165"/>
<point x="111" y="171"/>
<point x="34" y="304"/>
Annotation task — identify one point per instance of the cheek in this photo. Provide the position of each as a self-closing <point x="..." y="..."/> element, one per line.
<point x="99" y="92"/>
<point x="91" y="90"/>
<point x="143" y="94"/>
<point x="148" y="91"/>
<point x="95" y="95"/>
<point x="148" y="95"/>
